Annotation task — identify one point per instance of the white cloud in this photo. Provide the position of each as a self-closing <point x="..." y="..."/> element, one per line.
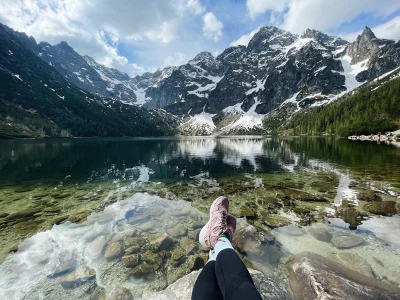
<point x="195" y="6"/>
<point x="138" y="70"/>
<point x="112" y="59"/>
<point x="325" y="15"/>
<point x="298" y="15"/>
<point x="212" y="28"/>
<point x="389" y="30"/>
<point x="245" y="39"/>
<point x="257" y="7"/>
<point x="98" y="28"/>
<point x="176" y="59"/>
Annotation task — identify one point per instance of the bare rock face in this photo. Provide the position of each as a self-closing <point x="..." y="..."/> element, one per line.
<point x="312" y="276"/>
<point x="270" y="288"/>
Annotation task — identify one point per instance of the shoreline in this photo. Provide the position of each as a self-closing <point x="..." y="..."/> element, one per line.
<point x="392" y="138"/>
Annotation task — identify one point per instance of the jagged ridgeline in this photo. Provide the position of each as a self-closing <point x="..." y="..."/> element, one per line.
<point x="250" y="89"/>
<point x="371" y="109"/>
<point x="36" y="100"/>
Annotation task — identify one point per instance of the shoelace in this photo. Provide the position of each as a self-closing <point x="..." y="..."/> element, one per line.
<point x="223" y="224"/>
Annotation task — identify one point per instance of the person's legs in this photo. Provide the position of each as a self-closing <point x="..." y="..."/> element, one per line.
<point x="206" y="286"/>
<point x="234" y="279"/>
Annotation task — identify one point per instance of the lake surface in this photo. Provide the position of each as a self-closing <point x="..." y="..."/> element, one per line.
<point x="71" y="208"/>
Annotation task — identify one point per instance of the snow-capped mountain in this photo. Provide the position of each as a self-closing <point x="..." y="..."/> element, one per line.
<point x="279" y="73"/>
<point x="275" y="75"/>
<point x="89" y="75"/>
<point x="37" y="101"/>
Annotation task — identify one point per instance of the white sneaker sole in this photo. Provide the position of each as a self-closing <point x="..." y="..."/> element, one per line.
<point x="203" y="231"/>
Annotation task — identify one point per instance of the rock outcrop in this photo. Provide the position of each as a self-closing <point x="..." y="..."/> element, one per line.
<point x="312" y="276"/>
<point x="270" y="288"/>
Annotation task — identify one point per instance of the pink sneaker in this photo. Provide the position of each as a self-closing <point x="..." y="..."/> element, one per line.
<point x="217" y="224"/>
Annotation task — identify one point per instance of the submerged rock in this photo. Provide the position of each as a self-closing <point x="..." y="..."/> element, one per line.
<point x="131" y="261"/>
<point x="24" y="214"/>
<point x="96" y="248"/>
<point x="27" y="227"/>
<point x="80" y="276"/>
<point x="3" y="215"/>
<point x="368" y="195"/>
<point x="312" y="276"/>
<point x="114" y="250"/>
<point x="118" y="294"/>
<point x="350" y="215"/>
<point x="344" y="240"/>
<point x="177" y="231"/>
<point x="195" y="262"/>
<point x="355" y="262"/>
<point x="188" y="245"/>
<point x="275" y="221"/>
<point x="248" y="240"/>
<point x="150" y="226"/>
<point x="160" y="242"/>
<point x="296" y="194"/>
<point x="383" y="208"/>
<point x="270" y="288"/>
<point x="133" y="245"/>
<point x="247" y="211"/>
<point x="154" y="259"/>
<point x="142" y="271"/>
<point x="66" y="262"/>
<point x="321" y="234"/>
<point x="178" y="257"/>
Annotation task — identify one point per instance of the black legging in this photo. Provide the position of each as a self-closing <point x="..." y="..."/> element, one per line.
<point x="226" y="278"/>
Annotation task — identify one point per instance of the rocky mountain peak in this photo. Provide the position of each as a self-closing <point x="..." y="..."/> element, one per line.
<point x="28" y="41"/>
<point x="316" y="35"/>
<point x="322" y="38"/>
<point x="313" y="34"/>
<point x="271" y="35"/>
<point x="203" y="58"/>
<point x="368" y="33"/>
<point x="64" y="46"/>
<point x="364" y="46"/>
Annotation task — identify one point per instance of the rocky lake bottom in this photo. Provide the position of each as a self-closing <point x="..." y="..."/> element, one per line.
<point x="120" y="218"/>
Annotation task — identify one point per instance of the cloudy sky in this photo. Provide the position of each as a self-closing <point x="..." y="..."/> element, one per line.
<point x="142" y="35"/>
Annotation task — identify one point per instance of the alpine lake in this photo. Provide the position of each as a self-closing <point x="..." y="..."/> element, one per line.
<point x="120" y="218"/>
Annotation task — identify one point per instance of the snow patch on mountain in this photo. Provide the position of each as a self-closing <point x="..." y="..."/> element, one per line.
<point x="351" y="71"/>
<point x="234" y="109"/>
<point x="201" y="89"/>
<point x="215" y="79"/>
<point x="259" y="86"/>
<point x="141" y="97"/>
<point x="297" y="45"/>
<point x="200" y="124"/>
<point x="248" y="120"/>
<point x="293" y="99"/>
<point x="386" y="74"/>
